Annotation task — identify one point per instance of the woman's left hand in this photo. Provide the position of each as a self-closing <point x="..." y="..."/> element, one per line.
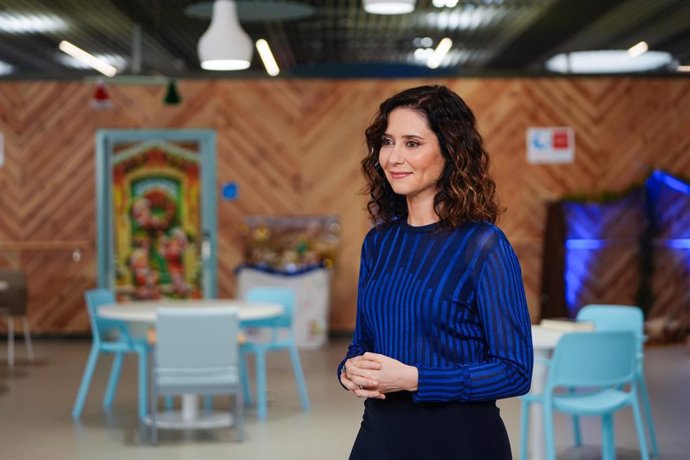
<point x="392" y="375"/>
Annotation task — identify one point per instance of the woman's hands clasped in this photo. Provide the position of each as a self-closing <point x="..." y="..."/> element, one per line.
<point x="373" y="375"/>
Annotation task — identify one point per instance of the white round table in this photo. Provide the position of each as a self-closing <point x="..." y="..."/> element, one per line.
<point x="144" y="312"/>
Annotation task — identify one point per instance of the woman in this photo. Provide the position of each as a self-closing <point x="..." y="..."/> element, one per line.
<point x="442" y="328"/>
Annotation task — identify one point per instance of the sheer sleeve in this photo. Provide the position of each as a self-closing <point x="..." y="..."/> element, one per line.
<point x="502" y="309"/>
<point x="361" y="340"/>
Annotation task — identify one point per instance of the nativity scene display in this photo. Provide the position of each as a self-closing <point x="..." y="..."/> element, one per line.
<point x="156" y="204"/>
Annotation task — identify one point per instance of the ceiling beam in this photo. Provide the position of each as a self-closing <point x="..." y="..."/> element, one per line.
<point x="149" y="26"/>
<point x="562" y="19"/>
<point x="28" y="57"/>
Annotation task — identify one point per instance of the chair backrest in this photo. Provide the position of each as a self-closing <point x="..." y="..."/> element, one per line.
<point x="613" y="317"/>
<point x="197" y="338"/>
<point x="616" y="318"/>
<point x="593" y="359"/>
<point x="14" y="294"/>
<point x="280" y="295"/>
<point x="101" y="326"/>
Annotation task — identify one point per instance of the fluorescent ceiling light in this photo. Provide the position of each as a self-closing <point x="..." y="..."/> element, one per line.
<point x="389" y="6"/>
<point x="683" y="68"/>
<point x="465" y="17"/>
<point x="30" y="23"/>
<point x="607" y="61"/>
<point x="445" y="3"/>
<point x="267" y="57"/>
<point x="423" y="42"/>
<point x="423" y="54"/>
<point x="439" y="53"/>
<point x="638" y="49"/>
<point x="5" y="68"/>
<point x="225" y="45"/>
<point x="455" y="57"/>
<point x="115" y="60"/>
<point x="89" y="59"/>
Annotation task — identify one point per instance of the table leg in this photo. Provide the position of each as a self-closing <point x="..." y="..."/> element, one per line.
<point x="190" y="417"/>
<point x="190" y="408"/>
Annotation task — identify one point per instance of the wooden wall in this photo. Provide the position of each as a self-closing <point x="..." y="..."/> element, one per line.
<point x="294" y="146"/>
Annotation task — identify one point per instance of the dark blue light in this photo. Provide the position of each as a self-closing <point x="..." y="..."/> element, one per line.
<point x="585" y="243"/>
<point x="672" y="182"/>
<point x="677" y="243"/>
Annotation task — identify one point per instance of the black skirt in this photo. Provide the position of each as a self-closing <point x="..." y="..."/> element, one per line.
<point x="396" y="428"/>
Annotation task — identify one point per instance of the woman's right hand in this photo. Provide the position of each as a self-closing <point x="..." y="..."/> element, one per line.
<point x="352" y="379"/>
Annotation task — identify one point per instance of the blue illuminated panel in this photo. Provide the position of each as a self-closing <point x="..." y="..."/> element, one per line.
<point x="592" y="228"/>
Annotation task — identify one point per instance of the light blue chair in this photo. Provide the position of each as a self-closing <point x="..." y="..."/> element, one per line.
<point x="600" y="362"/>
<point x="197" y="352"/>
<point x="111" y="336"/>
<point x="286" y="341"/>
<point x="623" y="318"/>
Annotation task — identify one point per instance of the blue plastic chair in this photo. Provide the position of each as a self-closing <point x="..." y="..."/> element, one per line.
<point x="600" y="362"/>
<point x="110" y="336"/>
<point x="623" y="318"/>
<point x="283" y="323"/>
<point x="197" y="352"/>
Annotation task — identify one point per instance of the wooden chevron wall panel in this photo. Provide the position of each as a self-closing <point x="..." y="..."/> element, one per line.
<point x="671" y="258"/>
<point x="607" y="276"/>
<point x="294" y="147"/>
<point x="11" y="171"/>
<point x="670" y="284"/>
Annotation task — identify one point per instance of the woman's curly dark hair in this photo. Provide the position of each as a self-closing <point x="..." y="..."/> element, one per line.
<point x="466" y="190"/>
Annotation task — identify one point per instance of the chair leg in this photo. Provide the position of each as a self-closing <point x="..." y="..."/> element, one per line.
<point x="115" y="372"/>
<point x="299" y="377"/>
<point x="577" y="434"/>
<point x="639" y="427"/>
<point x="239" y="414"/>
<point x="154" y="411"/>
<point x="208" y="403"/>
<point x="10" y="341"/>
<point x="608" y="438"/>
<point x="85" y="382"/>
<point x="548" y="432"/>
<point x="261" y="390"/>
<point x="524" y="428"/>
<point x="642" y="385"/>
<point x="143" y="382"/>
<point x="27" y="339"/>
<point x="244" y="376"/>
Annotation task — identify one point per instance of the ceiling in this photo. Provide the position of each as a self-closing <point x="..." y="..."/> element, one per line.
<point x="334" y="38"/>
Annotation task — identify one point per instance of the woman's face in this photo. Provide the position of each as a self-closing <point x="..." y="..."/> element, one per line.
<point x="410" y="155"/>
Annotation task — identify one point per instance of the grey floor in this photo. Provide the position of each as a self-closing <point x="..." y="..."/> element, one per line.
<point x="36" y="401"/>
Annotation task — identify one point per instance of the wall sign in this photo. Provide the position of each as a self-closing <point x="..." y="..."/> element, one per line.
<point x="230" y="191"/>
<point x="550" y="145"/>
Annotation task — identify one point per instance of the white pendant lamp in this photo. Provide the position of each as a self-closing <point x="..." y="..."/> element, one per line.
<point x="225" y="46"/>
<point x="389" y="6"/>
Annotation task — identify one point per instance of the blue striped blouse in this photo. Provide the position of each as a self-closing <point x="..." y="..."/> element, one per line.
<point x="450" y="303"/>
